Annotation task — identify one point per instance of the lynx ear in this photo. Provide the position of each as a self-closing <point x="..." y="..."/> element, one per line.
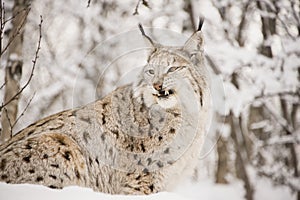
<point x="195" y="43"/>
<point x="153" y="45"/>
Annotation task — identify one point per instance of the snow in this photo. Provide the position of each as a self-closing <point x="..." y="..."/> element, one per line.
<point x="204" y="190"/>
<point x="201" y="190"/>
<point x="34" y="192"/>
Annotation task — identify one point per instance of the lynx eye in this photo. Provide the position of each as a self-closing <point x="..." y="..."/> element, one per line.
<point x="150" y="71"/>
<point x="173" y="69"/>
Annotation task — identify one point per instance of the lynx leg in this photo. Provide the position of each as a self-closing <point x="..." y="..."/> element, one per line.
<point x="50" y="159"/>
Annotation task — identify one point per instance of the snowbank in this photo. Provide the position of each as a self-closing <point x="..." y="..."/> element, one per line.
<point x="205" y="190"/>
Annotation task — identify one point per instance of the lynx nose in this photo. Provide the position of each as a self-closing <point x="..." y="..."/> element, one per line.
<point x="157" y="86"/>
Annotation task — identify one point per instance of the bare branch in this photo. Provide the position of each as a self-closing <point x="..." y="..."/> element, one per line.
<point x="285" y="26"/>
<point x="32" y="69"/>
<point x="296" y="16"/>
<point x="280" y="93"/>
<point x="279" y="178"/>
<point x="285" y="139"/>
<point x="22" y="113"/>
<point x="17" y="32"/>
<point x="281" y="121"/>
<point x="15" y="15"/>
<point x="2" y="18"/>
<point x="1" y="87"/>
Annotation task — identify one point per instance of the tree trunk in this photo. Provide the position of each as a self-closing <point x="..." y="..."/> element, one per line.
<point x="222" y="168"/>
<point x="290" y="118"/>
<point x="13" y="71"/>
<point x="268" y="28"/>
<point x="240" y="163"/>
<point x="188" y="7"/>
<point x="242" y="25"/>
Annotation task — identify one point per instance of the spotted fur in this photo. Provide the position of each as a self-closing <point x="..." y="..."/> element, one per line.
<point x="142" y="138"/>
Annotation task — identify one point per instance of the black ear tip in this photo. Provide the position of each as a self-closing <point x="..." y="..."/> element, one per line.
<point x="141" y="29"/>
<point x="201" y="21"/>
<point x="144" y="34"/>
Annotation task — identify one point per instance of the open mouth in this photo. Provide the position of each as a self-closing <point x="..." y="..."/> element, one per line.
<point x="164" y="93"/>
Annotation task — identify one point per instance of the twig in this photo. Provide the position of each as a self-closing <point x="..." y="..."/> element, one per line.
<point x="17" y="13"/>
<point x="17" y="32"/>
<point x="281" y="179"/>
<point x="282" y="122"/>
<point x="1" y="10"/>
<point x="32" y="69"/>
<point x="281" y="93"/>
<point x="285" y="139"/>
<point x="1" y="87"/>
<point x="26" y="107"/>
<point x="296" y="16"/>
<point x="2" y="18"/>
<point x="285" y="26"/>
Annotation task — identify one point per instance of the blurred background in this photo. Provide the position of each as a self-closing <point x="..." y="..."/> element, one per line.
<point x="57" y="55"/>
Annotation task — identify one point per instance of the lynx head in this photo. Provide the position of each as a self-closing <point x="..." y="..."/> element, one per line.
<point x="172" y="72"/>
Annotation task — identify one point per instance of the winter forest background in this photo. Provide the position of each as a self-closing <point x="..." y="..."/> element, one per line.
<point x="56" y="55"/>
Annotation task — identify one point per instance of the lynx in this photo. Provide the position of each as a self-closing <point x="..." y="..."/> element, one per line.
<point x="141" y="138"/>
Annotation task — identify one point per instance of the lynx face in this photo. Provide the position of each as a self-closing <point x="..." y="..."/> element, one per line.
<point x="165" y="77"/>
<point x="169" y="77"/>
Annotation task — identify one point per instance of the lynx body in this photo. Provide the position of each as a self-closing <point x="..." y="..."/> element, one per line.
<point x="142" y="138"/>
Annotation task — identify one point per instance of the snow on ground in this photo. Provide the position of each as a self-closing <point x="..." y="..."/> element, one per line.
<point x="34" y="192"/>
<point x="199" y="191"/>
<point x="204" y="190"/>
<point x="265" y="190"/>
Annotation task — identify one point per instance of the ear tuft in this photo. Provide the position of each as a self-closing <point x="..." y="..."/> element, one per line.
<point x="201" y="21"/>
<point x="195" y="43"/>
<point x="142" y="29"/>
<point x="146" y="36"/>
